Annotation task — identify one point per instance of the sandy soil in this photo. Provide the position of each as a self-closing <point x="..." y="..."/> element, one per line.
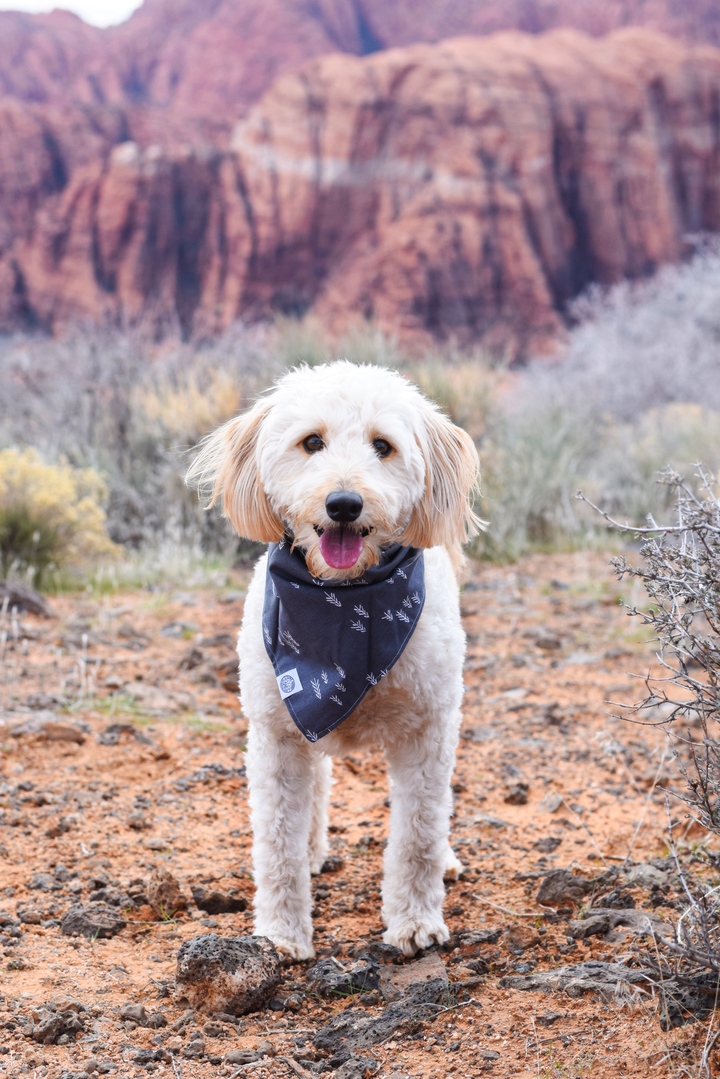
<point x="548" y="647"/>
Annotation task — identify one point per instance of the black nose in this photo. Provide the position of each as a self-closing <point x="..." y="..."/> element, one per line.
<point x="343" y="506"/>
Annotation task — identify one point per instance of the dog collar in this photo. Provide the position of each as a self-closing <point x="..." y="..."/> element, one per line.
<point x="331" y="641"/>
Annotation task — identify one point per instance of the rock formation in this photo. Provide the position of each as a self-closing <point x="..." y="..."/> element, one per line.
<point x="187" y="69"/>
<point x="466" y="189"/>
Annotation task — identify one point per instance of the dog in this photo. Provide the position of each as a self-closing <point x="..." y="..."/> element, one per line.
<point x="339" y="464"/>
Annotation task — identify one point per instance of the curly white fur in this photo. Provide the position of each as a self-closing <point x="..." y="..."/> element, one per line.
<point x="420" y="495"/>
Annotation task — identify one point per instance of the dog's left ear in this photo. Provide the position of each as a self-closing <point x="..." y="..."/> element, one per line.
<point x="444" y="515"/>
<point x="227" y="463"/>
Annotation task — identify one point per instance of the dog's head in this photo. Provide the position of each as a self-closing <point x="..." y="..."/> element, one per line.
<point x="349" y="459"/>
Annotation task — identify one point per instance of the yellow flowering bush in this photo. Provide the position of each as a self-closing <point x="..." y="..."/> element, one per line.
<point x="49" y="514"/>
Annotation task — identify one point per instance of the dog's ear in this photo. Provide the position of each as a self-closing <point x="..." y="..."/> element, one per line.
<point x="227" y="464"/>
<point x="444" y="515"/>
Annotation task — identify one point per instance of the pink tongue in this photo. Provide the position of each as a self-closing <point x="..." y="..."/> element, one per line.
<point x="340" y="548"/>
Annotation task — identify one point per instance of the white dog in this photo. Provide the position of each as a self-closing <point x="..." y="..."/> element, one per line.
<point x="349" y="461"/>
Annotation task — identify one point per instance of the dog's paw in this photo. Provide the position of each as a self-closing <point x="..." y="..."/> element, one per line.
<point x="411" y="935"/>
<point x="453" y="866"/>
<point x="291" y="951"/>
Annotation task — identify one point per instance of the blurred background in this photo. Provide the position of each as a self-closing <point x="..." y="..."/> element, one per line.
<point x="515" y="202"/>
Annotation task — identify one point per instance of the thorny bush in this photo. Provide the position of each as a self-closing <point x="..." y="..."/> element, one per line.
<point x="681" y="575"/>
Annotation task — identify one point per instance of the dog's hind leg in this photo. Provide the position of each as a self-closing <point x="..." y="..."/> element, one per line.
<point x="453" y="865"/>
<point x="280" y="778"/>
<point x="318" y="847"/>
<point x="416" y="857"/>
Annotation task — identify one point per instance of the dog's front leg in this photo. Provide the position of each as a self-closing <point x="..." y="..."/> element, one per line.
<point x="281" y="778"/>
<point x="416" y="856"/>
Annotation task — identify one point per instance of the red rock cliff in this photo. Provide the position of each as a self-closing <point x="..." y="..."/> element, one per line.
<point x="188" y="69"/>
<point x="467" y="188"/>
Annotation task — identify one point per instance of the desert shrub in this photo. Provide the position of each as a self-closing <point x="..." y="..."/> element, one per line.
<point x="681" y="575"/>
<point x="465" y="387"/>
<point x="49" y="515"/>
<point x="680" y="572"/>
<point x="637" y="386"/>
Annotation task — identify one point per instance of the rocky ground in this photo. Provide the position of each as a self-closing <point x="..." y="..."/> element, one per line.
<point x="125" y="834"/>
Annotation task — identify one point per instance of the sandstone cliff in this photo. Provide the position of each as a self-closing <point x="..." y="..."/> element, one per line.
<point x="467" y="188"/>
<point x="186" y="70"/>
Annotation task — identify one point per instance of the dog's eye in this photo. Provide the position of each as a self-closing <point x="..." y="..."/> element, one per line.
<point x="382" y="447"/>
<point x="313" y="443"/>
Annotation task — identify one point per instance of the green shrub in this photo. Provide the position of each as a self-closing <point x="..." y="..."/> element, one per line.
<point x="49" y="515"/>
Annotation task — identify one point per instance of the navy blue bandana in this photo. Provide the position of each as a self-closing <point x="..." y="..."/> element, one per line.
<point x="331" y="641"/>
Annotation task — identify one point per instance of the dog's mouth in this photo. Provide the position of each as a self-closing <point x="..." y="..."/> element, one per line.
<point x="340" y="546"/>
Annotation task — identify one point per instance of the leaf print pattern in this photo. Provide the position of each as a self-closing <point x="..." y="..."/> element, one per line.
<point x="329" y="655"/>
<point x="287" y="639"/>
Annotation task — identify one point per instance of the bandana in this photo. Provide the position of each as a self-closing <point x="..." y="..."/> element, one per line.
<point x="331" y="641"/>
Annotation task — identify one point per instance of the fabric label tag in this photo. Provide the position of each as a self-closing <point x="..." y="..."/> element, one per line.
<point x="289" y="683"/>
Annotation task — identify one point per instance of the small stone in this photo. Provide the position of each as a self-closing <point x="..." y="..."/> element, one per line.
<point x="164" y="894"/>
<point x="93" y="922"/>
<point x="242" y="1056"/>
<point x="232" y="974"/>
<point x="593" y="925"/>
<point x="157" y="1020"/>
<point x="139" y="822"/>
<point x="232" y="597"/>
<point x="25" y="599"/>
<point x="135" y="1012"/>
<point x="560" y="886"/>
<point x="218" y="903"/>
<point x="517" y="794"/>
<point x="398" y="982"/>
<point x="31" y="916"/>
<point x="550" y="803"/>
<point x="44" y="882"/>
<point x="520" y="937"/>
<point x="646" y="875"/>
<point x="548" y="844"/>
<point x="332" y="864"/>
<point x="153" y="699"/>
<point x="47" y="725"/>
<point x="179" y="630"/>
<point x="331" y="978"/>
<point x="294" y="1002"/>
<point x="357" y="1068"/>
<point x="111" y="735"/>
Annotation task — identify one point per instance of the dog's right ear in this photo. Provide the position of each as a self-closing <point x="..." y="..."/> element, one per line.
<point x="227" y="464"/>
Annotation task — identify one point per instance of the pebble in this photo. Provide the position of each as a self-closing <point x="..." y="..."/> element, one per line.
<point x="92" y="921"/>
